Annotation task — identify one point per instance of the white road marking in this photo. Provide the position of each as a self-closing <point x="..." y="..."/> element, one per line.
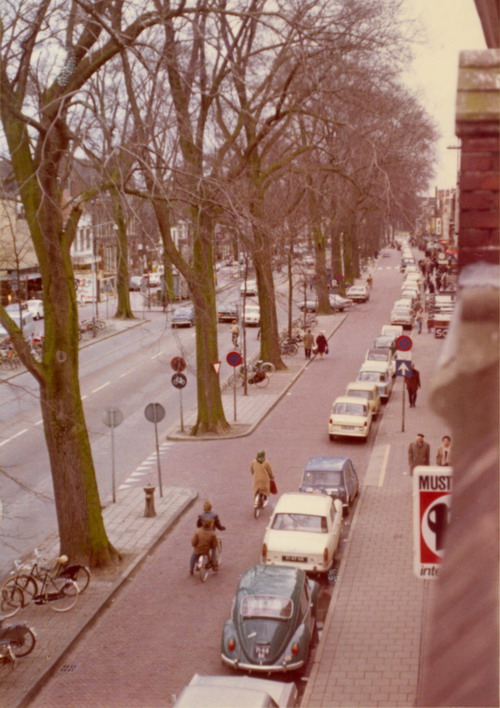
<point x="384" y="466"/>
<point x="21" y="432"/>
<point x="155" y="356"/>
<point x="39" y="422"/>
<point x="99" y="388"/>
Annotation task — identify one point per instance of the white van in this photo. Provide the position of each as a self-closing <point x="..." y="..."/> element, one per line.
<point x="377" y="372"/>
<point x="28" y="324"/>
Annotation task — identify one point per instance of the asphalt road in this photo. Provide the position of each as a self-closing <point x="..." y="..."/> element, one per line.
<point x="126" y="371"/>
<point x="165" y="625"/>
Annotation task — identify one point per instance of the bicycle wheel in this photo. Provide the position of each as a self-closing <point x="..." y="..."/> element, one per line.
<point x="257" y="506"/>
<point x="24" y="645"/>
<point x="268" y="367"/>
<point x="61" y="594"/>
<point x="262" y="382"/>
<point x="7" y="661"/>
<point x="203" y="568"/>
<point x="27" y="585"/>
<point x="11" y="600"/>
<point x="79" y="573"/>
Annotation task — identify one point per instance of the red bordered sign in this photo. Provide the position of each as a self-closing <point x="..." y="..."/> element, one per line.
<point x="431" y="516"/>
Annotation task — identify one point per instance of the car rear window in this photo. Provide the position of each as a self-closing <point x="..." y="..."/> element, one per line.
<point x="367" y="395"/>
<point x="272" y="606"/>
<point x="300" y="522"/>
<point x="349" y="408"/>
<point x="369" y="376"/>
<point x="323" y="477"/>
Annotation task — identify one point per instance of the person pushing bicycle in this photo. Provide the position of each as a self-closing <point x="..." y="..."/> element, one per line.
<point x="262" y="475"/>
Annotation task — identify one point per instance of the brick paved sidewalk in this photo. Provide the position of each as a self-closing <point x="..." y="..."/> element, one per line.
<point x="369" y="653"/>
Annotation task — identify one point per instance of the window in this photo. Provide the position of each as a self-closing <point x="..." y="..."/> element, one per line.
<point x="328" y="478"/>
<point x="300" y="522"/>
<point x="272" y="606"/>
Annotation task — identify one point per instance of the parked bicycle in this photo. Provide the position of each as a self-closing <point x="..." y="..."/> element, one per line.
<point x="288" y="347"/>
<point x="53" y="586"/>
<point x="257" y="373"/>
<point x="7" y="659"/>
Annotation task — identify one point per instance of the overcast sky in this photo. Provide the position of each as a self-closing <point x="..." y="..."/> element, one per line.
<point x="449" y="27"/>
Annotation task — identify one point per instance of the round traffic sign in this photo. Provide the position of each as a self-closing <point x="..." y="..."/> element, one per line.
<point x="179" y="380"/>
<point x="234" y="359"/>
<point x="404" y="343"/>
<point x="154" y="412"/>
<point x="178" y="364"/>
<point x="112" y="417"/>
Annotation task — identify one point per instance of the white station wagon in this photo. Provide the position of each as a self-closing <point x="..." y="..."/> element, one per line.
<point x="304" y="532"/>
<point x="350" y="417"/>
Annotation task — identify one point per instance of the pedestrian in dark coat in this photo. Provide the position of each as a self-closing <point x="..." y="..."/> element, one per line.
<point x="412" y="385"/>
<point x="322" y="344"/>
<point x="308" y="343"/>
<point x="419" y="453"/>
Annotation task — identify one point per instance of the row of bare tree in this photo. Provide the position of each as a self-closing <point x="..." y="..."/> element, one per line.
<point x="276" y="118"/>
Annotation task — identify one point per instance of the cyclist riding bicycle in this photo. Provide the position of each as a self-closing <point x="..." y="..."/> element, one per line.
<point x="262" y="476"/>
<point x="235" y="332"/>
<point x="209" y="515"/>
<point x="204" y="542"/>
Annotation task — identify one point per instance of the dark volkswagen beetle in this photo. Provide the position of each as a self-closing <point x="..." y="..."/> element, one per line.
<point x="335" y="476"/>
<point x="273" y="620"/>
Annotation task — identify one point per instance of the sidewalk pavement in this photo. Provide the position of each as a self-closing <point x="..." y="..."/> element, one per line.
<point x="134" y="536"/>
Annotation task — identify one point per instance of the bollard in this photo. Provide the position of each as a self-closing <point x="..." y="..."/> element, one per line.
<point x="149" y="511"/>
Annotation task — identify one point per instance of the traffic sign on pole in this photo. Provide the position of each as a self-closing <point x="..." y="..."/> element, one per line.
<point x="178" y="380"/>
<point x="234" y="359"/>
<point x="404" y="343"/>
<point x="432" y="491"/>
<point x="178" y="364"/>
<point x="403" y="368"/>
<point x="155" y="413"/>
<point x="216" y="365"/>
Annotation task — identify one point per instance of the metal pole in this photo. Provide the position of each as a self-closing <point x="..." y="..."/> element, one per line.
<point x="403" y="414"/>
<point x="158" y="459"/>
<point x="182" y="418"/>
<point x="234" y="392"/>
<point x="113" y="462"/>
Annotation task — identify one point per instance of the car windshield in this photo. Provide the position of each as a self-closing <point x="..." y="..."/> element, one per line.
<point x="370" y="376"/>
<point x="327" y="478"/>
<point x="349" y="408"/>
<point x="266" y="606"/>
<point x="383" y="342"/>
<point x="300" y="522"/>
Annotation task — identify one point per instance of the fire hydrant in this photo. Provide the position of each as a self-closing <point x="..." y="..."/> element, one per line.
<point x="149" y="511"/>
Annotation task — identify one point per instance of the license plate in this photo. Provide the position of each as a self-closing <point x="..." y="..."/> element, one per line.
<point x="295" y="559"/>
<point x="261" y="652"/>
<point x="348" y="427"/>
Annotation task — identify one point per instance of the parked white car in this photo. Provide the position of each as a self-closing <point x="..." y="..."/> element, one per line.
<point x="251" y="315"/>
<point x="392" y="330"/>
<point x="304" y="532"/>
<point x="36" y="308"/>
<point x="377" y="372"/>
<point x="350" y="417"/>
<point x="25" y="323"/>
<point x="403" y="317"/>
<point x="379" y="354"/>
<point x="243" y="691"/>
<point x="249" y="288"/>
<point x="366" y="390"/>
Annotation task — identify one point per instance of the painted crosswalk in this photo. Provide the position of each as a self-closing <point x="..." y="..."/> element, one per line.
<point x="146" y="468"/>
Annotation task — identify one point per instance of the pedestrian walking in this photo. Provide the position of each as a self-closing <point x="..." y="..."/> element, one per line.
<point x="322" y="344"/>
<point x="443" y="455"/>
<point x="419" y="453"/>
<point x="412" y="385"/>
<point x="235" y="332"/>
<point x="308" y="343"/>
<point x="419" y="319"/>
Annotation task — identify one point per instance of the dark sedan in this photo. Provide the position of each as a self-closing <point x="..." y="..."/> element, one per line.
<point x="272" y="625"/>
<point x="335" y="476"/>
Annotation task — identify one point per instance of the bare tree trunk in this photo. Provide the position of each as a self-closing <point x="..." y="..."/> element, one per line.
<point x="123" y="308"/>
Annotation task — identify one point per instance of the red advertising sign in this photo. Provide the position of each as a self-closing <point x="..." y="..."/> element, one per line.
<point x="431" y="516"/>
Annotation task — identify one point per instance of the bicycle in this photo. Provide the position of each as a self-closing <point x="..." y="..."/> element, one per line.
<point x="7" y="659"/>
<point x="80" y="574"/>
<point x="260" y="502"/>
<point x="42" y="586"/>
<point x="288" y="347"/>
<point x="203" y="562"/>
<point x="257" y="373"/>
